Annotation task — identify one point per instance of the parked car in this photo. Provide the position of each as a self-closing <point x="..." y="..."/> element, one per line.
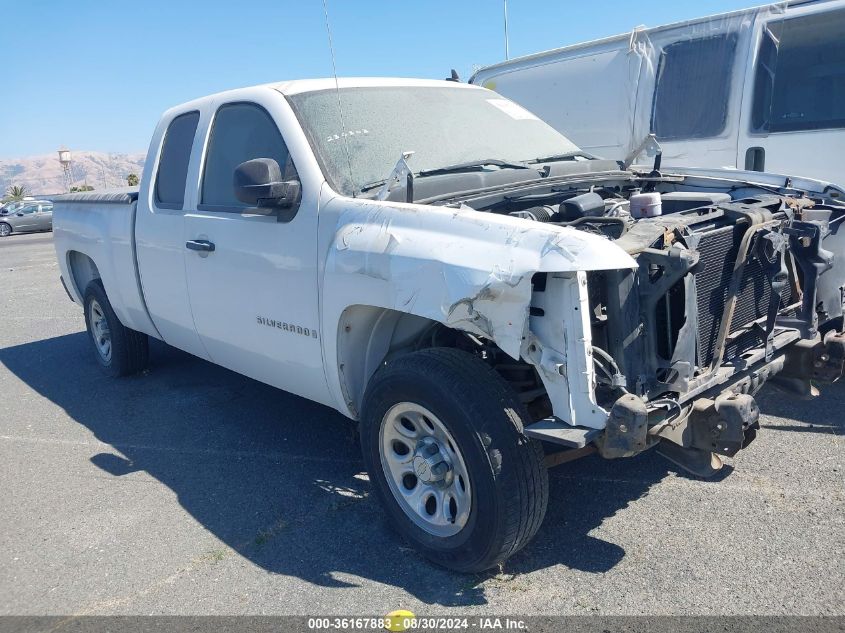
<point x="456" y="276"/>
<point x="759" y="89"/>
<point x="33" y="215"/>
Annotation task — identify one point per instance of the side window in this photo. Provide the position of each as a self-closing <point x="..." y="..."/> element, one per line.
<point x="27" y="210"/>
<point x="241" y="132"/>
<point x="799" y="82"/>
<point x="173" y="165"/>
<point x="693" y="88"/>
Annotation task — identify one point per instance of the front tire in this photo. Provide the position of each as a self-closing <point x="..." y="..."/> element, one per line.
<point x="5" y="229"/>
<point x="118" y="350"/>
<point x="441" y="434"/>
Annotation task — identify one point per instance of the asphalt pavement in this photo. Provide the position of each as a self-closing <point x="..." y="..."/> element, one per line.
<point x="192" y="490"/>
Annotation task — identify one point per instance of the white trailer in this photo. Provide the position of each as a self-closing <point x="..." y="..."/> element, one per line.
<point x="758" y="89"/>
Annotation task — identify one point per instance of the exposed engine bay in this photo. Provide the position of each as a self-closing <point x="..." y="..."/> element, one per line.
<point x="737" y="283"/>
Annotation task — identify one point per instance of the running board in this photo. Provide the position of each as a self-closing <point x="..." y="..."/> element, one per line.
<point x="553" y="430"/>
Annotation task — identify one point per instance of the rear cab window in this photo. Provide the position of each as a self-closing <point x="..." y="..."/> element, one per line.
<point x="693" y="88"/>
<point x="173" y="164"/>
<point x="799" y="81"/>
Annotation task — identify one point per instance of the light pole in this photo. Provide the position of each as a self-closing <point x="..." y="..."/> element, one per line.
<point x="507" y="48"/>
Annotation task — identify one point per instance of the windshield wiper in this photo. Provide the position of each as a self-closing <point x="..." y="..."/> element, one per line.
<point x="475" y="165"/>
<point x="557" y="157"/>
<point x="372" y="185"/>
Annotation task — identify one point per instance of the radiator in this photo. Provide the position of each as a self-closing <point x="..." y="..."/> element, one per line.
<point x="718" y="251"/>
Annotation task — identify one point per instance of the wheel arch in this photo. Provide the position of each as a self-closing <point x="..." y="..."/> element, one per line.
<point x="119" y="281"/>
<point x="366" y="336"/>
<point x="83" y="270"/>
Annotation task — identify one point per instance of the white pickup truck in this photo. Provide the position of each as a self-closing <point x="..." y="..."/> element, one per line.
<point x="484" y="299"/>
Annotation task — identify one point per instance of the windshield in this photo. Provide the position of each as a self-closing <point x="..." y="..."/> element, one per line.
<point x="442" y="125"/>
<point x="11" y="207"/>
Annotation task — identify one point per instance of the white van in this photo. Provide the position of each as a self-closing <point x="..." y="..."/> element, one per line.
<point x="758" y="89"/>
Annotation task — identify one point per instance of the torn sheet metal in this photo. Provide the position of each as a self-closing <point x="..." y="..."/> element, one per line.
<point x="466" y="269"/>
<point x="559" y="345"/>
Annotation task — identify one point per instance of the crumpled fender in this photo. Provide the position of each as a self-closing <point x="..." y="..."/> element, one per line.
<point x="466" y="269"/>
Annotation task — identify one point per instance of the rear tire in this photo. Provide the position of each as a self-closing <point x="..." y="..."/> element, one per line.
<point x="476" y="431"/>
<point x="5" y="229"/>
<point x="118" y="350"/>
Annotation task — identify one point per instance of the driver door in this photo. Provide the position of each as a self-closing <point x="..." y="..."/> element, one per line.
<point x="253" y="288"/>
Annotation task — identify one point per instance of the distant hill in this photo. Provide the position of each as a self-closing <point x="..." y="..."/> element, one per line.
<point x="43" y="174"/>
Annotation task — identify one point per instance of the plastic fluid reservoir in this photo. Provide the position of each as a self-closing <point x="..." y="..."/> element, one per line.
<point x="645" y="205"/>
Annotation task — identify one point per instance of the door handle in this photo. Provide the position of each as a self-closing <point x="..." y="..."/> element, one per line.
<point x="200" y="245"/>
<point x="755" y="159"/>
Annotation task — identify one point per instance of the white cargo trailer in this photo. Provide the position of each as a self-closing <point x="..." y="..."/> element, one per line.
<point x="758" y="89"/>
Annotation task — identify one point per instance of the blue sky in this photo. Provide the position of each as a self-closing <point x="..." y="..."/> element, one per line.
<point x="96" y="74"/>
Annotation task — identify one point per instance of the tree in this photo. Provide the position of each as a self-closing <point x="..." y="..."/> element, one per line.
<point x="132" y="180"/>
<point x="17" y="192"/>
<point x="81" y="188"/>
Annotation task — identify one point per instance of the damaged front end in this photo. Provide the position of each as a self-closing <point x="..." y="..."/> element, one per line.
<point x="728" y="293"/>
<point x="627" y="310"/>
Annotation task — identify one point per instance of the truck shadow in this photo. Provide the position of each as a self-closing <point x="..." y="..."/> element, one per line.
<point x="279" y="481"/>
<point x="815" y="415"/>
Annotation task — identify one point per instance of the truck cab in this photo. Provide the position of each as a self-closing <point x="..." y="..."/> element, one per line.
<point x="263" y="266"/>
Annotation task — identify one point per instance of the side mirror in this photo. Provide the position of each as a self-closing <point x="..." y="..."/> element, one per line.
<point x="259" y="183"/>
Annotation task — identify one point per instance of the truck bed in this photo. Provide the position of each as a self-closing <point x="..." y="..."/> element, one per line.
<point x="101" y="224"/>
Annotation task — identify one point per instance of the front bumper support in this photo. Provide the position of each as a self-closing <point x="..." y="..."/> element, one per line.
<point x="814" y="359"/>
